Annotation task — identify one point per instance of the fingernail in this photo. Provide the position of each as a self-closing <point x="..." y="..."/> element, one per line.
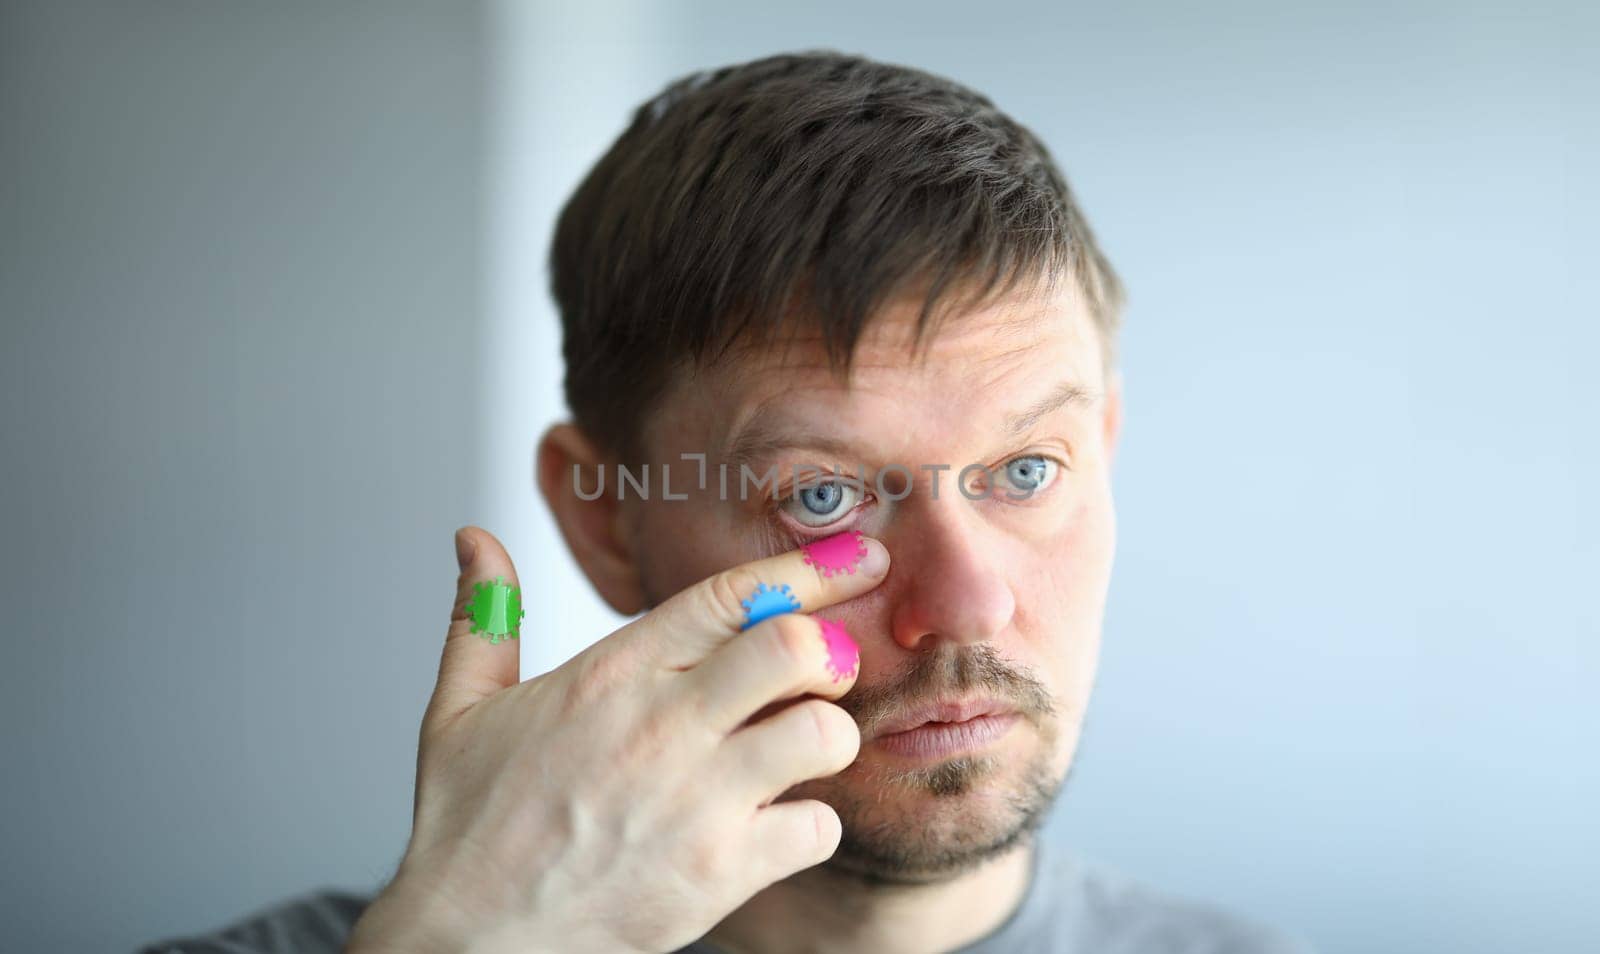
<point x="876" y="562"/>
<point x="843" y="652"/>
<point x="465" y="549"/>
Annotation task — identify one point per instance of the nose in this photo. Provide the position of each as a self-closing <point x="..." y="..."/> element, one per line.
<point x="955" y="586"/>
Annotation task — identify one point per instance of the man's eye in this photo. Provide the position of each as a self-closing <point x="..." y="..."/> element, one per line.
<point x="822" y="503"/>
<point x="1027" y="475"/>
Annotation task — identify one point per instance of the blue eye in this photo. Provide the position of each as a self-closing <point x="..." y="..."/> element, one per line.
<point x="1030" y="474"/>
<point x="822" y="503"/>
<point x="821" y="499"/>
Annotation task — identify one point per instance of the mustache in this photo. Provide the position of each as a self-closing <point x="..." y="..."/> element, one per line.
<point x="950" y="671"/>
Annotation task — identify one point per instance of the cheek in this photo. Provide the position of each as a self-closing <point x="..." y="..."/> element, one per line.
<point x="1060" y="583"/>
<point x="1066" y="569"/>
<point x="683" y="542"/>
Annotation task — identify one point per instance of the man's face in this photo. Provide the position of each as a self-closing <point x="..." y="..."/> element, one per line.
<point x="993" y="598"/>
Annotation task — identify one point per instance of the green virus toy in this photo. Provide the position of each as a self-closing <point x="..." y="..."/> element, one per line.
<point x="496" y="610"/>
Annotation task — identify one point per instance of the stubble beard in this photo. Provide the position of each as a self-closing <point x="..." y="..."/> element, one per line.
<point x="917" y="824"/>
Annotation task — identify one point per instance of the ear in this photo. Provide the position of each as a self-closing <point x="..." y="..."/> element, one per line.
<point x="1112" y="423"/>
<point x="566" y="463"/>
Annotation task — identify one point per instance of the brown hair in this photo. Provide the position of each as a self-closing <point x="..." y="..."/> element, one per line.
<point x="815" y="185"/>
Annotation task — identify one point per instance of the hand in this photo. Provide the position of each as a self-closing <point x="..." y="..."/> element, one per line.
<point x="623" y="802"/>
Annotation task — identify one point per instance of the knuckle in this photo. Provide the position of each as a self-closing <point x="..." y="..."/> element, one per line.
<point x="826" y="828"/>
<point x="724" y="596"/>
<point x="647" y="741"/>
<point x="849" y="735"/>
<point x="793" y="640"/>
<point x="596" y="673"/>
<point x="837" y="733"/>
<point x="705" y="860"/>
<point x="822" y="724"/>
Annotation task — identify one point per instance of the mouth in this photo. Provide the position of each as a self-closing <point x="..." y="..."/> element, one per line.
<point x="944" y="729"/>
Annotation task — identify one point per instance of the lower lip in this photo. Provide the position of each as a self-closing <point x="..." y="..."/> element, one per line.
<point x="933" y="740"/>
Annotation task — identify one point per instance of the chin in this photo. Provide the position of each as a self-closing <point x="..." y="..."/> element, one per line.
<point x="922" y="821"/>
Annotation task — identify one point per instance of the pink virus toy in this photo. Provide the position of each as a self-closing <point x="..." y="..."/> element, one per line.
<point x="843" y="654"/>
<point x="840" y="553"/>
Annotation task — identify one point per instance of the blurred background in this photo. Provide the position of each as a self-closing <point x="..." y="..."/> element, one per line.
<point x="275" y="323"/>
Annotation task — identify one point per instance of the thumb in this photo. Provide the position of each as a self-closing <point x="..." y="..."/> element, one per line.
<point x="481" y="648"/>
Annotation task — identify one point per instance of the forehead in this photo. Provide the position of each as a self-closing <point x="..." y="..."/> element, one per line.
<point x="982" y="362"/>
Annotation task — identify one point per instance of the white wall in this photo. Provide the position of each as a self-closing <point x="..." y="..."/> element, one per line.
<point x="563" y="82"/>
<point x="239" y="322"/>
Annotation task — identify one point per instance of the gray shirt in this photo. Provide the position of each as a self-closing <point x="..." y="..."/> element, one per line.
<point x="1071" y="907"/>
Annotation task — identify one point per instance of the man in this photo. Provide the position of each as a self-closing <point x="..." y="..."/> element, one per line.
<point x="856" y="687"/>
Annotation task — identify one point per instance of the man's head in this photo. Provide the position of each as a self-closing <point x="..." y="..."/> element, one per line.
<point x="821" y="261"/>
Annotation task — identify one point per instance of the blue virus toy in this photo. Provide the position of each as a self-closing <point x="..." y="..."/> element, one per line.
<point x="766" y="603"/>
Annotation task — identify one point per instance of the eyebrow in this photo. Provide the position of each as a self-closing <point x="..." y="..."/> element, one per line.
<point x="760" y="438"/>
<point x="1067" y="393"/>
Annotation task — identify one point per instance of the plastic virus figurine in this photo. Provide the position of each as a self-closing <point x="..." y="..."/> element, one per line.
<point x="843" y="653"/>
<point x="767" y="602"/>
<point x="496" y="610"/>
<point x="836" y="554"/>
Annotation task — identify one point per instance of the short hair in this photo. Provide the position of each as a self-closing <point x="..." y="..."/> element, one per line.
<point x="801" y="190"/>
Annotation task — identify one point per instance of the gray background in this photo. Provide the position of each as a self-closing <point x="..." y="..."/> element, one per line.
<point x="271" y="279"/>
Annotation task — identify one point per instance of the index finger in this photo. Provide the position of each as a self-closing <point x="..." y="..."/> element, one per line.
<point x="691" y="624"/>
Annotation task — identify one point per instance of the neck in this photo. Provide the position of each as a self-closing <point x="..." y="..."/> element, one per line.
<point x="825" y="911"/>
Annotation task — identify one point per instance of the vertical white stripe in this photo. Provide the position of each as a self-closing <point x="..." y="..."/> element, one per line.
<point x="563" y="82"/>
